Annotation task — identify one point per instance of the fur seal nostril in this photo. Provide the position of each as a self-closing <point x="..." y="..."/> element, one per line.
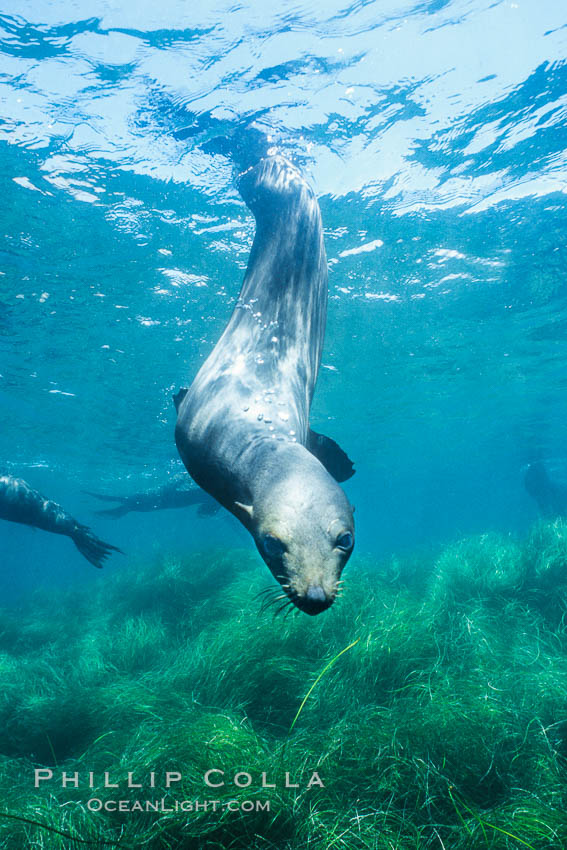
<point x="315" y="600"/>
<point x="243" y="426"/>
<point x="316" y="594"/>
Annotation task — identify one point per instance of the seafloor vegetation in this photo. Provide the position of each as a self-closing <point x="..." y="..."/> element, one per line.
<point x="444" y="726"/>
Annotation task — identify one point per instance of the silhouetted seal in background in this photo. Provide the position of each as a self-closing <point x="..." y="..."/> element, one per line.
<point x="21" y="503"/>
<point x="550" y="496"/>
<point x="180" y="492"/>
<point x="243" y="425"/>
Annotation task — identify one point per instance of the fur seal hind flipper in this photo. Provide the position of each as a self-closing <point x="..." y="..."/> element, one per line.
<point x="329" y="453"/>
<point x="115" y="512"/>
<point x="104" y="497"/>
<point x="92" y="547"/>
<point x="245" y="148"/>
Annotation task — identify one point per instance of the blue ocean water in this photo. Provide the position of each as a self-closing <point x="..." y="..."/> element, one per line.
<point x="434" y="134"/>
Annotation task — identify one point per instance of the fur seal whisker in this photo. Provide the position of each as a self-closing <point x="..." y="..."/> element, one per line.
<point x="271" y="601"/>
<point x="288" y="604"/>
<point x="291" y="610"/>
<point x="267" y="603"/>
<point x="278" y="598"/>
<point x="267" y="591"/>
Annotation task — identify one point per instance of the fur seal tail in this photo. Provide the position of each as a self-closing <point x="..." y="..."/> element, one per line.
<point x="92" y="547"/>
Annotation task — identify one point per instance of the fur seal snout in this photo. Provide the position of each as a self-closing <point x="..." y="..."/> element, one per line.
<point x="243" y="426"/>
<point x="303" y="528"/>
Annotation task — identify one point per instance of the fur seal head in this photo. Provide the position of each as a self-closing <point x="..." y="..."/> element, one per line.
<point x="303" y="527"/>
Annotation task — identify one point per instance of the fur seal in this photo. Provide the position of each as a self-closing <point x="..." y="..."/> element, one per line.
<point x="551" y="498"/>
<point x="178" y="493"/>
<point x="21" y="503"/>
<point x="243" y="425"/>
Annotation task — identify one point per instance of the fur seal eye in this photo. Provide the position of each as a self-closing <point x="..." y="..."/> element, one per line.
<point x="345" y="541"/>
<point x="273" y="546"/>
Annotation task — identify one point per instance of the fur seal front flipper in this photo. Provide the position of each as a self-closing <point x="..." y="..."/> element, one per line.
<point x="333" y="458"/>
<point x="21" y="503"/>
<point x="243" y="426"/>
<point x="178" y="397"/>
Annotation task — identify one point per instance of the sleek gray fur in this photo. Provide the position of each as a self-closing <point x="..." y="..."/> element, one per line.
<point x="243" y="426"/>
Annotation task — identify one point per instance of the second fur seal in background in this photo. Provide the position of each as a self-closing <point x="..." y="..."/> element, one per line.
<point x="243" y="425"/>
<point x="21" y="503"/>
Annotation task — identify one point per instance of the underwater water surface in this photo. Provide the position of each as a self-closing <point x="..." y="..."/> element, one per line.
<point x="434" y="135"/>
